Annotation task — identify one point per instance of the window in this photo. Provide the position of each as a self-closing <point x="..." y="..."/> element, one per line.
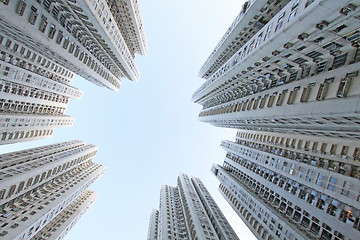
<point x="20" y="8"/>
<point x="59" y="37"/>
<point x="280" y="21"/>
<point x="320" y="179"/>
<point x="251" y="46"/>
<point x="268" y="31"/>
<point x="66" y="43"/>
<point x="43" y="24"/>
<point x="2" y="194"/>
<point x="33" y="15"/>
<point x="258" y="41"/>
<point x="356" y="154"/>
<point x="72" y="47"/>
<point x="29" y="182"/>
<point x="338" y="29"/>
<point x="281" y="98"/>
<point x="292" y="95"/>
<point x="347" y="186"/>
<point x="21" y="186"/>
<point x="343" y="87"/>
<point x="339" y="60"/>
<point x="323" y="89"/>
<point x="11" y="191"/>
<point x="321" y="67"/>
<point x="292" y="15"/>
<point x="333" y="47"/>
<point x="314" y="54"/>
<point x="333" y="149"/>
<point x="52" y="31"/>
<point x="305" y="94"/>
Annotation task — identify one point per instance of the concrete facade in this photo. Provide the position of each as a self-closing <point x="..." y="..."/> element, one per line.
<point x="57" y="228"/>
<point x="309" y="186"/>
<point x="291" y="88"/>
<point x="39" y="184"/>
<point x="153" y="225"/>
<point x="189" y="212"/>
<point x="84" y="36"/>
<point x="34" y="93"/>
<point x="297" y="71"/>
<point x="44" y="43"/>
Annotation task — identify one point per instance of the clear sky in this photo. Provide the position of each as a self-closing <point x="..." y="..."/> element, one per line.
<point x="149" y="131"/>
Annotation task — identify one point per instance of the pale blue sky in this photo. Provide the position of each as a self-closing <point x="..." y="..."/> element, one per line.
<point x="149" y="132"/>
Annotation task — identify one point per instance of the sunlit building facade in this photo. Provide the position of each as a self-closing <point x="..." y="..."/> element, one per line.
<point x="253" y="16"/>
<point x="43" y="191"/>
<point x="292" y="90"/>
<point x="67" y="218"/>
<point x="34" y="93"/>
<point x="297" y="74"/>
<point x="44" y="43"/>
<point x="95" y="39"/>
<point x="188" y="212"/>
<point x="153" y="225"/>
<point x="293" y="186"/>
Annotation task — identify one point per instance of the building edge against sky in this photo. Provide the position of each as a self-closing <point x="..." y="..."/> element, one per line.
<point x="34" y="93"/>
<point x="292" y="74"/>
<point x="287" y="190"/>
<point x="254" y="13"/>
<point x="188" y="211"/>
<point x="68" y="217"/>
<point x="42" y="45"/>
<point x="289" y="81"/>
<point x="92" y="38"/>
<point x="43" y="190"/>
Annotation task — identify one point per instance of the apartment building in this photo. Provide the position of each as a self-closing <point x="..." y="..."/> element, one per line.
<point x="298" y="74"/>
<point x="291" y="87"/>
<point x="95" y="39"/>
<point x="43" y="190"/>
<point x="188" y="212"/>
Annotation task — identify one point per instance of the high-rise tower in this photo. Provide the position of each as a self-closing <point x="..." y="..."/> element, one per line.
<point x="153" y="225"/>
<point x="41" y="185"/>
<point x="293" y="186"/>
<point x="34" y="93"/>
<point x="292" y="89"/>
<point x="298" y="73"/>
<point x="42" y="45"/>
<point x="67" y="218"/>
<point x="95" y="39"/>
<point x="188" y="212"/>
